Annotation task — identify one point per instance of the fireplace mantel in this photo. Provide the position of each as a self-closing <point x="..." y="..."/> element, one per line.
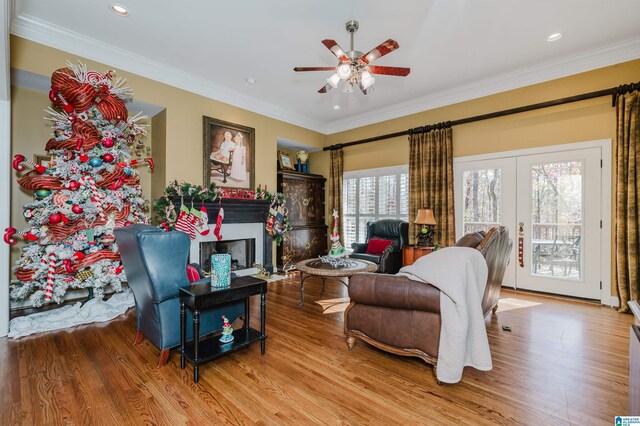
<point x="237" y="210"/>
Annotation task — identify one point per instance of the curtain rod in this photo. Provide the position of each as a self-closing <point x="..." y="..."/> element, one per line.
<point x="613" y="92"/>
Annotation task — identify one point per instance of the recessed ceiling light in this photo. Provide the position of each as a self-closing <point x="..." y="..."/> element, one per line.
<point x="554" y="37"/>
<point x="119" y="10"/>
<point x="336" y="107"/>
<point x="250" y="80"/>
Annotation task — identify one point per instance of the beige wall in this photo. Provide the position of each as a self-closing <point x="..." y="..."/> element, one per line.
<point x="29" y="134"/>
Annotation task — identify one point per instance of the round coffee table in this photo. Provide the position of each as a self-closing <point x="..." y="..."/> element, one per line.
<point x="318" y="268"/>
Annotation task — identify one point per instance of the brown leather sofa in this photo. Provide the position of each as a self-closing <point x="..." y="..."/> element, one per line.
<point x="402" y="316"/>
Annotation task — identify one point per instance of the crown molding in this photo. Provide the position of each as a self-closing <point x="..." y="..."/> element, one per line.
<point x="597" y="58"/>
<point x="45" y="33"/>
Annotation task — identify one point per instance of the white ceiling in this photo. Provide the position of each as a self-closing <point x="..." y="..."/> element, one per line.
<point x="456" y="49"/>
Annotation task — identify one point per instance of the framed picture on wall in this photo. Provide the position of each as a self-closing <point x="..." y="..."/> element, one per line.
<point x="229" y="154"/>
<point x="286" y="163"/>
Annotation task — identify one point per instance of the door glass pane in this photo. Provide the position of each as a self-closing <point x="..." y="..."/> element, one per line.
<point x="556" y="219"/>
<point x="482" y="199"/>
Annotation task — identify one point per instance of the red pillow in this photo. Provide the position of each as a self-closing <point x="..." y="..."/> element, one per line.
<point x="192" y="274"/>
<point x="377" y="246"/>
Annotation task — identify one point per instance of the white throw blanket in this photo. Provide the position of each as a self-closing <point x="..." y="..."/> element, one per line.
<point x="95" y="310"/>
<point x="461" y="275"/>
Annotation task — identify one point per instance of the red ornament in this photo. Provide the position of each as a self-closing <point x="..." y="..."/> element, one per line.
<point x="84" y="158"/>
<point x="52" y="95"/>
<point x="55" y="218"/>
<point x="107" y="142"/>
<point x="77" y="209"/>
<point x="68" y="108"/>
<point x="108" y="158"/>
<point x="74" y="185"/>
<point x="119" y="269"/>
<point x="68" y="266"/>
<point x="78" y="255"/>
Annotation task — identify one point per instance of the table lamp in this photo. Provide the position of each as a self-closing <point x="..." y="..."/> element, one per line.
<point x="427" y="220"/>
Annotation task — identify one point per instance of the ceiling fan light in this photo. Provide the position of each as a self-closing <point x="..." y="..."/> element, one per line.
<point x="333" y="80"/>
<point x="344" y="70"/>
<point x="348" y="88"/>
<point x="367" y="79"/>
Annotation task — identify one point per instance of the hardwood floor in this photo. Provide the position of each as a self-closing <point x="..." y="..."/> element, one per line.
<point x="562" y="363"/>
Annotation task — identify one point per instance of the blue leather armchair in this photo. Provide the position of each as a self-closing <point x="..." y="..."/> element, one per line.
<point x="155" y="264"/>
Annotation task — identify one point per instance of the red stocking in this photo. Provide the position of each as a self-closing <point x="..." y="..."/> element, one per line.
<point x="216" y="230"/>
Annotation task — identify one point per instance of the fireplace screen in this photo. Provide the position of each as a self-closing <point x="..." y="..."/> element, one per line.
<point x="243" y="253"/>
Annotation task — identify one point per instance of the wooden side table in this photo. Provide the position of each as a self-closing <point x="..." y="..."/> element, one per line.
<point x="412" y="253"/>
<point x="203" y="296"/>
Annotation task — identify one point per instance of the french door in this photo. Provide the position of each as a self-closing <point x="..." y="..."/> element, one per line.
<point x="552" y="202"/>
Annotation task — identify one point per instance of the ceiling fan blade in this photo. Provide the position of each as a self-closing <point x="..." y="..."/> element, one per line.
<point x="314" y="69"/>
<point x="399" y="71"/>
<point x="336" y="50"/>
<point x="379" y="51"/>
<point x="325" y="88"/>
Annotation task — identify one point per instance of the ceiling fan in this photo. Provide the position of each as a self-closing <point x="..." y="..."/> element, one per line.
<point x="354" y="66"/>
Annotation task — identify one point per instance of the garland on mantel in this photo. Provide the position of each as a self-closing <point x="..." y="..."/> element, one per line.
<point x="165" y="212"/>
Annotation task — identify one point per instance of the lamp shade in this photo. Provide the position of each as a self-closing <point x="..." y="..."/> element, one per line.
<point x="425" y="217"/>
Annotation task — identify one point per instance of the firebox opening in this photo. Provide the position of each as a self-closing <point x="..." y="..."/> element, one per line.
<point x="243" y="253"/>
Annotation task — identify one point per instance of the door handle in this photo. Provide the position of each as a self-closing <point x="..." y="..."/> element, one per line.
<point x="521" y="244"/>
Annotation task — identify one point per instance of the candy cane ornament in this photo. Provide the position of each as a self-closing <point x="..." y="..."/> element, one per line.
<point x="18" y="159"/>
<point x="95" y="198"/>
<point x="147" y="160"/>
<point x="48" y="292"/>
<point x="10" y="232"/>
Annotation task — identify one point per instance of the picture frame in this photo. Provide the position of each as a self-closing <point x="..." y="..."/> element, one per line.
<point x="285" y="161"/>
<point x="229" y="154"/>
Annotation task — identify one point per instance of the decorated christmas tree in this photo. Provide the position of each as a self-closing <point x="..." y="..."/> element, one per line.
<point x="87" y="189"/>
<point x="337" y="249"/>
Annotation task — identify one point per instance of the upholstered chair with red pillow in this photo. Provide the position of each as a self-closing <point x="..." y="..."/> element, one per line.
<point x="383" y="246"/>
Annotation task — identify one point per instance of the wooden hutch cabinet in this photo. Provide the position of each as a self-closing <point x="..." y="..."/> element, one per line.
<point x="304" y="195"/>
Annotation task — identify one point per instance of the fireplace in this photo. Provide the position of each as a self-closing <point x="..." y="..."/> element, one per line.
<point x="243" y="253"/>
<point x="243" y="220"/>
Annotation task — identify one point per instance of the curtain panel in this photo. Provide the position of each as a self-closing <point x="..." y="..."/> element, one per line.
<point x="335" y="187"/>
<point x="431" y="182"/>
<point x="627" y="197"/>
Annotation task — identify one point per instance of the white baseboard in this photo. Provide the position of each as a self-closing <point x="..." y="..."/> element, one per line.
<point x="614" y="302"/>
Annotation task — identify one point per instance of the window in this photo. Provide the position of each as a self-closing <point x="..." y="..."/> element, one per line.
<point x="370" y="195"/>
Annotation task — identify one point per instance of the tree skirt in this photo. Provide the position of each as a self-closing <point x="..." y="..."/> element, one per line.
<point x="70" y="316"/>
